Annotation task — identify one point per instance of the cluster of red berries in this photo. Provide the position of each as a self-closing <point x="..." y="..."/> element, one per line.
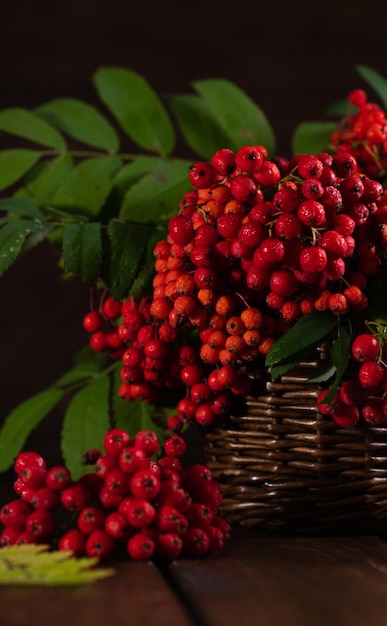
<point x="151" y="508"/>
<point x="256" y="244"/>
<point x="364" y="134"/>
<point x="363" y="392"/>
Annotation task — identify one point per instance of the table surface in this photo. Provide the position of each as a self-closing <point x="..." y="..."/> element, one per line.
<point x="259" y="578"/>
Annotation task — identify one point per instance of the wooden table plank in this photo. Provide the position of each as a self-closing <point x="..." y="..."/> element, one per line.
<point x="136" y="595"/>
<point x="273" y="580"/>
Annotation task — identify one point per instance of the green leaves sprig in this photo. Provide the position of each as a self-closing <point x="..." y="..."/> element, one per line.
<point x="35" y="565"/>
<point x="93" y="171"/>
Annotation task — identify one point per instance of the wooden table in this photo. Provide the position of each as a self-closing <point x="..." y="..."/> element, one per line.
<point x="259" y="579"/>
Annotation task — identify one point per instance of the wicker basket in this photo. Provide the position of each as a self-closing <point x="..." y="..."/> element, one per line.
<point x="284" y="466"/>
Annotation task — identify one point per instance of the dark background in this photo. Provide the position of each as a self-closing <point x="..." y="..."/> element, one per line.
<point x="293" y="58"/>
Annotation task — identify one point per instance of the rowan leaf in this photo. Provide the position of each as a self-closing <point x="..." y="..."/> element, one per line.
<point x="82" y="121"/>
<point x="237" y="114"/>
<point x="82" y="250"/>
<point x="25" y="124"/>
<point x="312" y="137"/>
<point x="156" y="195"/>
<point x="14" y="163"/>
<point x="137" y="107"/>
<point x="199" y="124"/>
<point x="375" y="80"/>
<point x="22" y="421"/>
<point x="128" y="244"/>
<point x="87" y="186"/>
<point x="43" y="181"/>
<point x="310" y="330"/>
<point x="85" y="423"/>
<point x="14" y="236"/>
<point x="21" y="206"/>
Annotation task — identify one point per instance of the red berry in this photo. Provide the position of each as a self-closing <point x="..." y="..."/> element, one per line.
<point x="139" y="512"/>
<point x="144" y="484"/>
<point x="168" y="545"/>
<point x="93" y="322"/>
<point x="201" y="175"/>
<point x="99" y="544"/>
<point x="90" y="518"/>
<point x="39" y="524"/>
<point x="346" y="416"/>
<point x="74" y="541"/>
<point x="370" y="374"/>
<point x="117" y="525"/>
<point x="28" y="459"/>
<point x="175" y="446"/>
<point x="58" y="478"/>
<point x="365" y="347"/>
<point x="140" y="546"/>
<point x="75" y="497"/>
<point x="115" y="441"/>
<point x="15" y="513"/>
<point x="196" y="542"/>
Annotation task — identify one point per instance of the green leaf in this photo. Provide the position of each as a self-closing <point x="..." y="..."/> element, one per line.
<point x="22" y="421"/>
<point x="85" y="423"/>
<point x="135" y="415"/>
<point x="137" y="108"/>
<point x="375" y="80"/>
<point x="238" y="116"/>
<point x="156" y="195"/>
<point x="78" y="373"/>
<point x="82" y="250"/>
<point x="81" y="121"/>
<point x="15" y="163"/>
<point x="199" y="124"/>
<point x="13" y="237"/>
<point x="132" y="172"/>
<point x="324" y="373"/>
<point x="36" y="565"/>
<point x="23" y="123"/>
<point x="21" y="206"/>
<point x="341" y="108"/>
<point x="310" y="330"/>
<point x="128" y="244"/>
<point x="88" y="185"/>
<point x="312" y="137"/>
<point x="339" y="354"/>
<point x="144" y="278"/>
<point x="44" y="180"/>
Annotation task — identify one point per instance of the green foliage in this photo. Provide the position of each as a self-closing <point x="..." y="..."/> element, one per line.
<point x="22" y="421"/>
<point x="25" y="124"/>
<point x="86" y="421"/>
<point x="374" y="80"/>
<point x="300" y="341"/>
<point x="312" y="137"/>
<point x="82" y="250"/>
<point x="15" y="163"/>
<point x="137" y="108"/>
<point x="35" y="565"/>
<point x="237" y="115"/>
<point x="82" y="122"/>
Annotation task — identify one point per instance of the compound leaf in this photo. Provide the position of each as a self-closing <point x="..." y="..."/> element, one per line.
<point x="137" y="108"/>
<point x="81" y="121"/>
<point x="22" y="421"/>
<point x="85" y="423"/>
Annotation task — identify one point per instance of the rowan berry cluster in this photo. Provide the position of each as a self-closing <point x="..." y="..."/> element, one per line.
<point x="363" y="133"/>
<point x="256" y="244"/>
<point x="129" y="501"/>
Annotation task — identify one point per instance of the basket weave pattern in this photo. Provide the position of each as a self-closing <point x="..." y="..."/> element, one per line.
<point x="284" y="466"/>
